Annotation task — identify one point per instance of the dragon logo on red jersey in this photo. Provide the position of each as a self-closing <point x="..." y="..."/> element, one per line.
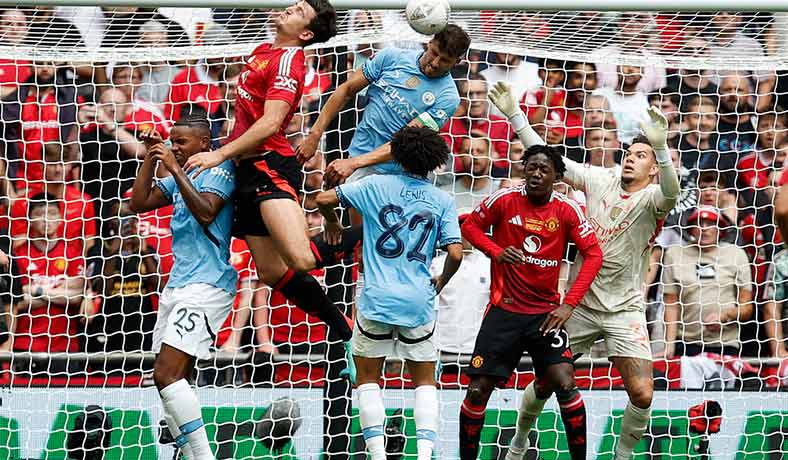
<point x="532" y="244"/>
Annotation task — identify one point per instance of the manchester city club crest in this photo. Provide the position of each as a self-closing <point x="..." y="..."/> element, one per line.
<point x="428" y="98"/>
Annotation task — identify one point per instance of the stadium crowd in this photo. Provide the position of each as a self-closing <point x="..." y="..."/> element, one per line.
<point x="81" y="272"/>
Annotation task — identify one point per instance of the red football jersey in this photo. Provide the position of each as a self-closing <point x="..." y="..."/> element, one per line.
<point x="48" y="328"/>
<point x="270" y="74"/>
<point x="542" y="233"/>
<point x="753" y="171"/>
<point x="79" y="216"/>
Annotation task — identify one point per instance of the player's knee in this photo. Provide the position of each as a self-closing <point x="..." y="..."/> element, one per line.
<point x="542" y="389"/>
<point x="164" y="374"/>
<point x="302" y="263"/>
<point x="478" y="393"/>
<point x="641" y="394"/>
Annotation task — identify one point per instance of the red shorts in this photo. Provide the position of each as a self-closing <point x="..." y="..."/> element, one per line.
<point x="270" y="176"/>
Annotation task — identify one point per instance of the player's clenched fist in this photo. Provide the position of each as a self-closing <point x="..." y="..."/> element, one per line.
<point x="556" y="319"/>
<point x="511" y="255"/>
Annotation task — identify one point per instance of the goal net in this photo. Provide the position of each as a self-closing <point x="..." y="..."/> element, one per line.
<point x="81" y="274"/>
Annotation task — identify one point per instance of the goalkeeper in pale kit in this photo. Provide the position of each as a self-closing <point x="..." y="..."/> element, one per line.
<point x="627" y="212"/>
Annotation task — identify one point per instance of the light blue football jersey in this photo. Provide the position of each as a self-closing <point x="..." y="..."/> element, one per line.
<point x="405" y="220"/>
<point x="398" y="93"/>
<point x="202" y="254"/>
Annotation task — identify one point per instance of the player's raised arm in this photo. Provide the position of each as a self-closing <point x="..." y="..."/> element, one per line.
<point x="144" y="195"/>
<point x="269" y="124"/>
<point x="331" y="109"/>
<point x="657" y="133"/>
<point x="502" y="97"/>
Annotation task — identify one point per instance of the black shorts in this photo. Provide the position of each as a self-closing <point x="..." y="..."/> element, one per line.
<point x="503" y="338"/>
<point x="270" y="176"/>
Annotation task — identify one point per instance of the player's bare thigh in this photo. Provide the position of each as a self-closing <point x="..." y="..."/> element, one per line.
<point x="270" y="265"/>
<point x="286" y="224"/>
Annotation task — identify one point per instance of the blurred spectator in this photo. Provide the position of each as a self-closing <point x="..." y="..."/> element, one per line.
<point x="597" y="112"/>
<point x="692" y="82"/>
<point x="736" y="109"/>
<point x="53" y="284"/>
<point x="8" y="197"/>
<point x="122" y="271"/>
<point x="714" y="192"/>
<point x="629" y="106"/>
<point x="154" y="227"/>
<point x="602" y="148"/>
<point x="143" y="115"/>
<point x="777" y="45"/>
<point x="200" y="84"/>
<point x="250" y="25"/>
<point x="43" y="109"/>
<point x="77" y="215"/>
<point x="516" y="166"/>
<point x="109" y="150"/>
<point x="156" y="75"/>
<point x="522" y="75"/>
<point x="536" y="102"/>
<point x="774" y="308"/>
<point x="470" y="187"/>
<point x="230" y="336"/>
<point x="317" y="80"/>
<point x="47" y="30"/>
<point x="461" y="305"/>
<point x="636" y="32"/>
<point x="707" y="290"/>
<point x="698" y="136"/>
<point x="560" y="111"/>
<point x="729" y="43"/>
<point x="13" y="30"/>
<point x="755" y="169"/>
<point x="478" y="119"/>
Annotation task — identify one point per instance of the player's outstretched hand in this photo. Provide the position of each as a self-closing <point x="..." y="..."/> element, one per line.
<point x="337" y="171"/>
<point x="511" y="255"/>
<point x="657" y="129"/>
<point x="502" y="97"/>
<point x="556" y="319"/>
<point x="332" y="234"/>
<point x="161" y="153"/>
<point x="202" y="161"/>
<point x="151" y="137"/>
<point x="306" y="149"/>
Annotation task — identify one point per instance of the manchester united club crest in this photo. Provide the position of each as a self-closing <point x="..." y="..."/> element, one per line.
<point x="413" y="82"/>
<point x="60" y="264"/>
<point x="552" y="224"/>
<point x="259" y="65"/>
<point x="477" y="362"/>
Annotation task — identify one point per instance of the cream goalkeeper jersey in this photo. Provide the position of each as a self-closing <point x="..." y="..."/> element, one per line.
<point x="626" y="225"/>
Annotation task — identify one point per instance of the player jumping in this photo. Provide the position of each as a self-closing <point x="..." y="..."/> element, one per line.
<point x="407" y="87"/>
<point x="627" y="213"/>
<point x="199" y="294"/>
<point x="531" y="227"/>
<point x="405" y="219"/>
<point x="267" y="213"/>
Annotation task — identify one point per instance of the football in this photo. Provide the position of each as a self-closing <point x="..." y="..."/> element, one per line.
<point x="428" y="17"/>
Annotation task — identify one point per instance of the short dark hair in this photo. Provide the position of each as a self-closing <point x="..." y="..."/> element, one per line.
<point x="453" y="41"/>
<point x="419" y="150"/>
<point x="665" y="93"/>
<point x="194" y="116"/>
<point x="553" y="153"/>
<point x="641" y="139"/>
<point x="40" y="200"/>
<point x="324" y="26"/>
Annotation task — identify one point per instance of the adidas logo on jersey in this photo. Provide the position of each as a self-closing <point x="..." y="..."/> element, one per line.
<point x="516" y="220"/>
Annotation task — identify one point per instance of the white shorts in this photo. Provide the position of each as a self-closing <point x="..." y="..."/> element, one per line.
<point x="625" y="332"/>
<point x="372" y="339"/>
<point x="189" y="318"/>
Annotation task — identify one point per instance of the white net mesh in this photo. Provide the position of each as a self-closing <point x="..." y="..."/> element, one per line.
<point x="81" y="280"/>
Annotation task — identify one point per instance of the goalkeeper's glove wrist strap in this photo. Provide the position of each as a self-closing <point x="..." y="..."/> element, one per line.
<point x="518" y="121"/>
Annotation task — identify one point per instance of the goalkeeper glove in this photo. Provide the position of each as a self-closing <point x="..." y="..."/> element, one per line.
<point x="657" y="133"/>
<point x="501" y="96"/>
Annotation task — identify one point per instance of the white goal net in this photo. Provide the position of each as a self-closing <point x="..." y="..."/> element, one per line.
<point x="81" y="275"/>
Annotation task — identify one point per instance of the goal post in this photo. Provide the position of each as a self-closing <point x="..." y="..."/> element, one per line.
<point x="722" y="86"/>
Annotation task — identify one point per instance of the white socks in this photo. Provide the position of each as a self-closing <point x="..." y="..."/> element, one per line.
<point x="372" y="415"/>
<point x="426" y="414"/>
<point x="180" y="441"/>
<point x="530" y="409"/>
<point x="633" y="426"/>
<point x="181" y="403"/>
